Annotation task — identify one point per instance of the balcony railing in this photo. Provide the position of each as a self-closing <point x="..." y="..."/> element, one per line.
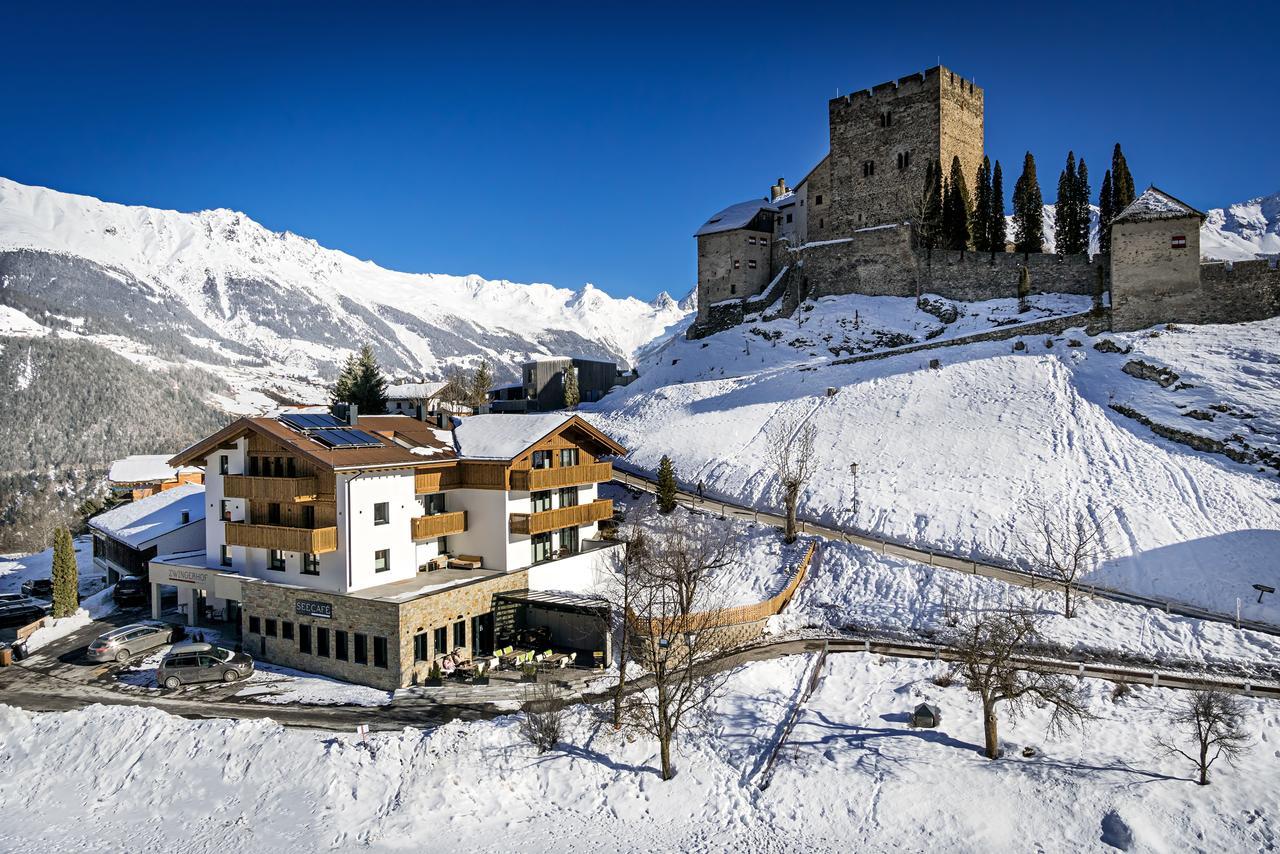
<point x="286" y="539"/>
<point x="565" y="517"/>
<point x="531" y="480"/>
<point x="270" y="488"/>
<point x="439" y="525"/>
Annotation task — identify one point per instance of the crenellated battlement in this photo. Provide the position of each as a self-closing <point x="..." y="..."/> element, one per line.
<point x="912" y="84"/>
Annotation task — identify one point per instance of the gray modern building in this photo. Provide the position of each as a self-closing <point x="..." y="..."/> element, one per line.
<point x="542" y="382"/>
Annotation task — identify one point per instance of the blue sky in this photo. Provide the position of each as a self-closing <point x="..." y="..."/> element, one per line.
<point x="563" y="144"/>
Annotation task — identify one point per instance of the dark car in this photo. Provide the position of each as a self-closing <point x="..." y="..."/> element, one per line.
<point x="131" y="591"/>
<point x="41" y="588"/>
<point x="12" y="616"/>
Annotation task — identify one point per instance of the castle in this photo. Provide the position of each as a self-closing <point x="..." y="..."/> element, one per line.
<point x="847" y="228"/>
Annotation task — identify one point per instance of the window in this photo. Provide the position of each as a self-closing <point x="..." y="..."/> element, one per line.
<point x="433" y="504"/>
<point x="421" y="647"/>
<point x="253" y="466"/>
<point x="764" y="241"/>
<point x="751" y="265"/>
<point x="308" y="516"/>
<point x="286" y="630"/>
<point x="733" y="289"/>
<point x="224" y="510"/>
<point x="568" y="457"/>
<point x="224" y="554"/>
<point x="362" y="649"/>
<point x="868" y="168"/>
<point x="737" y="265"/>
<point x="292" y="470"/>
<point x="381" y="513"/>
<point x="569" y="496"/>
<point x="224" y="464"/>
<point x="541" y="547"/>
<point x="255" y="626"/>
<point x="1178" y="241"/>
<point x="886" y="119"/>
<point x="819" y="222"/>
<point x="442" y="545"/>
<point x="460" y="633"/>
<point x="788" y="217"/>
<point x="273" y="513"/>
<point x="904" y="159"/>
<point x="569" y="541"/>
<point x="751" y="241"/>
<point x="340" y="645"/>
<point x="276" y="560"/>
<point x="542" y="459"/>
<point x="322" y="641"/>
<point x="310" y="564"/>
<point x="380" y="652"/>
<point x="382" y="560"/>
<point x="304" y="638"/>
<point x="440" y="639"/>
<point x="271" y="627"/>
<point x="817" y="200"/>
<point x="540" y="501"/>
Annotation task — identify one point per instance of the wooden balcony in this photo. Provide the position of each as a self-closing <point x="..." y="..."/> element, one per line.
<point x="565" y="517"/>
<point x="439" y="525"/>
<point x="313" y="540"/>
<point x="532" y="480"/>
<point x="278" y="489"/>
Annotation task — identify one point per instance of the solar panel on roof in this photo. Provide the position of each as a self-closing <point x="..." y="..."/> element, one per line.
<point x="346" y="437"/>
<point x="311" y="421"/>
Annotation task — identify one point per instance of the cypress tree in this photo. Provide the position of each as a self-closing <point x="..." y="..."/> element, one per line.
<point x="997" y="225"/>
<point x="1082" y="205"/>
<point x="1105" y="213"/>
<point x="1028" y="209"/>
<point x="931" y="216"/>
<point x="65" y="575"/>
<point x="980" y="225"/>
<point x="572" y="397"/>
<point x="1064" y="209"/>
<point x="361" y="382"/>
<point x="955" y="209"/>
<point x="666" y="485"/>
<point x="1122" y="192"/>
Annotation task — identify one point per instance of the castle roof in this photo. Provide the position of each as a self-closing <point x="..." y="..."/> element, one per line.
<point x="1156" y="204"/>
<point x="735" y="216"/>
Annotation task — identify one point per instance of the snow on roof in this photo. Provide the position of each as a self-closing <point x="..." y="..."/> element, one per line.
<point x="507" y="387"/>
<point x="786" y="200"/>
<point x="143" y="468"/>
<point x="734" y="216"/>
<point x="414" y="391"/>
<point x="502" y="437"/>
<point x="139" y="522"/>
<point x="1156" y="204"/>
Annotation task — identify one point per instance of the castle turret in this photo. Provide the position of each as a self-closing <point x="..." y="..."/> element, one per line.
<point x="778" y="190"/>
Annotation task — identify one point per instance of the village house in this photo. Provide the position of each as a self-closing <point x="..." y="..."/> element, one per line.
<point x="368" y="551"/>
<point x="140" y="475"/>
<point x="125" y="538"/>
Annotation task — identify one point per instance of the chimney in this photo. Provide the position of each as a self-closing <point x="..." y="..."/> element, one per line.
<point x="353" y="414"/>
<point x="778" y="190"/>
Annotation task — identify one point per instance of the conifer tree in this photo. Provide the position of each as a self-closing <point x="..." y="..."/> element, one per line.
<point x="980" y="225"/>
<point x="572" y="397"/>
<point x="1067" y="210"/>
<point x="1105" y="213"/>
<point x="481" y="382"/>
<point x="666" y="485"/>
<point x="65" y="575"/>
<point x="1082" y="205"/>
<point x="955" y="209"/>
<point x="1028" y="209"/>
<point x="361" y="382"/>
<point x="997" y="226"/>
<point x="931" y="216"/>
<point x="1122" y="192"/>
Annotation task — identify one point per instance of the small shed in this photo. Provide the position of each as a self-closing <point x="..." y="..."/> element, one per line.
<point x="926" y="716"/>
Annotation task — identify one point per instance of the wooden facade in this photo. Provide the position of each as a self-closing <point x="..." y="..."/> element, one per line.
<point x="282" y="537"/>
<point x="440" y="525"/>
<point x="305" y="488"/>
<point x="532" y="480"/>
<point x="563" y="517"/>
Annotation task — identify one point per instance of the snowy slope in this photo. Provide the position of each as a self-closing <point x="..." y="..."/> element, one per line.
<point x="243" y="293"/>
<point x="947" y="458"/>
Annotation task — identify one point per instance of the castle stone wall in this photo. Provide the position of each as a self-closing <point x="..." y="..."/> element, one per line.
<point x="1151" y="280"/>
<point x="731" y="265"/>
<point x="1239" y="292"/>
<point x="979" y="276"/>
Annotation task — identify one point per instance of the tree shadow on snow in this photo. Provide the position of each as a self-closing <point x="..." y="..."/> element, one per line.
<point x="852" y="735"/>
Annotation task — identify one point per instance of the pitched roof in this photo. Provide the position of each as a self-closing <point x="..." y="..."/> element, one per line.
<point x="143" y="468"/>
<point x="505" y="437"/>
<point x="414" y="391"/>
<point x="139" y="522"/>
<point x="734" y="216"/>
<point x="1155" y="204"/>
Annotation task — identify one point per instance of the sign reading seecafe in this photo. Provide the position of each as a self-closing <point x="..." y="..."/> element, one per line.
<point x="309" y="608"/>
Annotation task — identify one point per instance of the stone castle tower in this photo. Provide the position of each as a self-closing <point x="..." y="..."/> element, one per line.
<point x="882" y="140"/>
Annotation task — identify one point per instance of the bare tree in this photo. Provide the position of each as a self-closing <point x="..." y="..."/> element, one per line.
<point x="791" y="456"/>
<point x="1215" y="720"/>
<point x="621" y="582"/>
<point x="678" y="625"/>
<point x="542" y="723"/>
<point x="987" y="649"/>
<point x="1065" y="544"/>
<point x="457" y="387"/>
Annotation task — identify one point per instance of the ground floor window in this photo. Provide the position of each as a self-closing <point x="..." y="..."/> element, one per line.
<point x="310" y="564"/>
<point x="441" y="640"/>
<point x="340" y="645"/>
<point x="322" y="642"/>
<point x="541" y="547"/>
<point x="304" y="638"/>
<point x="362" y="649"/>
<point x="568" y="541"/>
<point x="382" y="560"/>
<point x="225" y="554"/>
<point x="276" y="560"/>
<point x="286" y="630"/>
<point x="380" y="652"/>
<point x="271" y="627"/>
<point x="460" y="633"/>
<point x="442" y="545"/>
<point x="255" y="627"/>
<point x="421" y="649"/>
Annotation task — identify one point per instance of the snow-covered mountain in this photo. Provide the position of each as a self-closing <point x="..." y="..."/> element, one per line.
<point x="219" y="288"/>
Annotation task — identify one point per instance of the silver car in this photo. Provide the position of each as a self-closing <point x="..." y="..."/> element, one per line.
<point x="189" y="663"/>
<point x="130" y="641"/>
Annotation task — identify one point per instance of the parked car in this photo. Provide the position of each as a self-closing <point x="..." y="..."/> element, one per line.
<point x="129" y="641"/>
<point x="41" y="588"/>
<point x="190" y="663"/>
<point x="19" y="614"/>
<point x="131" y="591"/>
